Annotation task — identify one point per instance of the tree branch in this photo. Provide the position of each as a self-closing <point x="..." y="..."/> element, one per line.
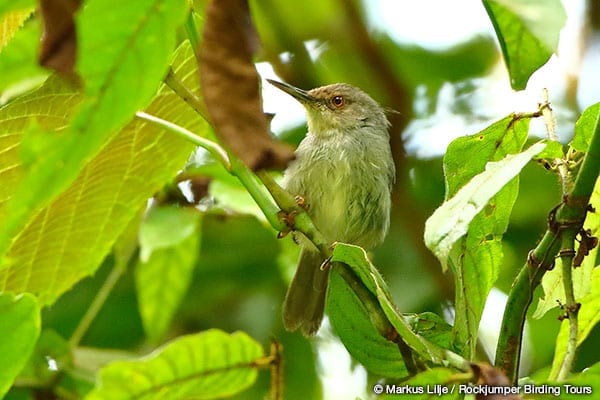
<point x="566" y="220"/>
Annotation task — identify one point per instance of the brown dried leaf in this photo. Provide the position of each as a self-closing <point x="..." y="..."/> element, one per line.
<point x="491" y="376"/>
<point x="230" y="86"/>
<point x="59" y="42"/>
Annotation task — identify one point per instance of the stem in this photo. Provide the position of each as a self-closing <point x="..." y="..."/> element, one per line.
<point x="258" y="193"/>
<point x="192" y="33"/>
<point x="231" y="164"/>
<point x="571" y="307"/>
<point x="569" y="220"/>
<point x="213" y="148"/>
<point x="94" y="308"/>
<point x="172" y="81"/>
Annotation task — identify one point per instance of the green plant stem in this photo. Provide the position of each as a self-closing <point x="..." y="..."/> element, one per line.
<point x="568" y="220"/>
<point x="258" y="193"/>
<point x="571" y="307"/>
<point x="231" y="164"/>
<point x="172" y="81"/>
<point x="214" y="149"/>
<point x="94" y="308"/>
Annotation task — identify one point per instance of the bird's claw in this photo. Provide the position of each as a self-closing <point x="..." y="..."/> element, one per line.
<point x="301" y="202"/>
<point x="288" y="219"/>
<point x="326" y="263"/>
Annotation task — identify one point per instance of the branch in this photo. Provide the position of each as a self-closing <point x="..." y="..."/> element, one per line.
<point x="566" y="220"/>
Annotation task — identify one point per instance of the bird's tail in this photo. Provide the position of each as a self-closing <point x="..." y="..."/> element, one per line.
<point x="305" y="300"/>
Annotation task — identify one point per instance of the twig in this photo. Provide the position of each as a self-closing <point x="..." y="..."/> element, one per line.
<point x="94" y="308"/>
<point x="213" y="148"/>
<point x="569" y="217"/>
<point x="172" y="81"/>
<point x="571" y="308"/>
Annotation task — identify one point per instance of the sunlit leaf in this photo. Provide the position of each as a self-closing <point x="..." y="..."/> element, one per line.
<point x="19" y="330"/>
<point x="122" y="66"/>
<point x="208" y="365"/>
<point x="528" y="32"/>
<point x="11" y="23"/>
<point x="584" y="128"/>
<point x="67" y="240"/>
<point x="451" y="221"/>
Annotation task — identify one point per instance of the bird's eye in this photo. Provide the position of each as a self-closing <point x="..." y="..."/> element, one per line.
<point x="337" y="101"/>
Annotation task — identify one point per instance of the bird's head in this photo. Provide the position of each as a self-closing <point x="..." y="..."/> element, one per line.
<point x="337" y="107"/>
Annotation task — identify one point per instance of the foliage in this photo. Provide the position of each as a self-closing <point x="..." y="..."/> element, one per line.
<point x="126" y="255"/>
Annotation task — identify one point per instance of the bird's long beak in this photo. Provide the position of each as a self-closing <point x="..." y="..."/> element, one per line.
<point x="301" y="95"/>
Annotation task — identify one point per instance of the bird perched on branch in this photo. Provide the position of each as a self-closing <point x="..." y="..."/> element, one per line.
<point x="343" y="171"/>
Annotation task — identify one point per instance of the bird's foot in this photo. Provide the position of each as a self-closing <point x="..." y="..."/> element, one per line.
<point x="288" y="219"/>
<point x="301" y="201"/>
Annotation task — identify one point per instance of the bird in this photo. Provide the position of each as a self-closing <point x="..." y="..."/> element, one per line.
<point x="343" y="174"/>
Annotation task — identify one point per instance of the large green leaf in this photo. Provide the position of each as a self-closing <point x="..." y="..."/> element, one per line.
<point x="122" y="66"/>
<point x="208" y="365"/>
<point x="351" y="323"/>
<point x="475" y="254"/>
<point x="528" y="32"/>
<point x="68" y="239"/>
<point x="426" y="334"/>
<point x="19" y="330"/>
<point x="169" y="241"/>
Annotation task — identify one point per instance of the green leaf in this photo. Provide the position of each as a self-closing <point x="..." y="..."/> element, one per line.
<point x="11" y="23"/>
<point x="577" y="386"/>
<point x="122" y="66"/>
<point x="169" y="239"/>
<point x="11" y="5"/>
<point x="69" y="238"/>
<point x="528" y="32"/>
<point x="208" y="365"/>
<point x="351" y="323"/>
<point x="51" y="356"/>
<point x="425" y="333"/>
<point x="19" y="330"/>
<point x="466" y="231"/>
<point x="552" y="151"/>
<point x="584" y="128"/>
<point x="165" y="227"/>
<point x="451" y="221"/>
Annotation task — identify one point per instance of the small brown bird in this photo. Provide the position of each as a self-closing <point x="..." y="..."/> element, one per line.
<point x="344" y="171"/>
